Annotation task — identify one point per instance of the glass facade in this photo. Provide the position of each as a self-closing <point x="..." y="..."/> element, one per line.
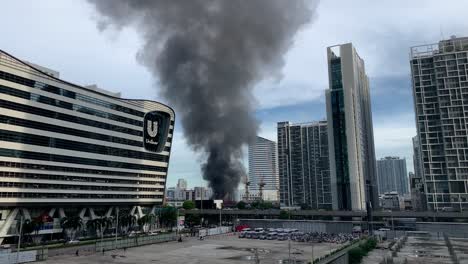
<point x="339" y="136"/>
<point x="61" y="143"/>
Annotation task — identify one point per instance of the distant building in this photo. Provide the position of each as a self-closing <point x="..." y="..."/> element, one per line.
<point x="350" y="132"/>
<point x="391" y="201"/>
<point x="303" y="165"/>
<point x="440" y="90"/>
<point x="263" y="168"/>
<point x="392" y="175"/>
<point x="418" y="197"/>
<point x="176" y="196"/>
<point x="182" y="184"/>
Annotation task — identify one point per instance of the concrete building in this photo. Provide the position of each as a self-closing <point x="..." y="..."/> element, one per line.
<point x="68" y="150"/>
<point x="418" y="197"/>
<point x="303" y="165"/>
<point x="350" y="132"/>
<point x="392" y="175"/>
<point x="176" y="196"/>
<point x="417" y="158"/>
<point x="392" y="201"/>
<point x="440" y="90"/>
<point x="263" y="169"/>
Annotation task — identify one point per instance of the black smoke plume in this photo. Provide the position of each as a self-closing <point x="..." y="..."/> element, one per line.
<point x="207" y="56"/>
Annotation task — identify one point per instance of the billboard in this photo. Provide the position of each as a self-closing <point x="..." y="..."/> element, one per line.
<point x="155" y="130"/>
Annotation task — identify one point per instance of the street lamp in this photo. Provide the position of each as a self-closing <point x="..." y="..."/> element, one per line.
<point x="19" y="239"/>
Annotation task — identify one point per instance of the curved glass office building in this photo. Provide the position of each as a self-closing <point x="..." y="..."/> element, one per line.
<point x="71" y="150"/>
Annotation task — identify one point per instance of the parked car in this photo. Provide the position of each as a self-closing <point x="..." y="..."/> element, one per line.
<point x="255" y="235"/>
<point x="272" y="236"/>
<point x="282" y="236"/>
<point x="242" y="234"/>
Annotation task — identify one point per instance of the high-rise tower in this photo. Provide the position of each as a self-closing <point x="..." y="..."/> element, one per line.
<point x="440" y="89"/>
<point x="350" y="132"/>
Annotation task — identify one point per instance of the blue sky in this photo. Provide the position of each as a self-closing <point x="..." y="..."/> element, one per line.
<point x="62" y="35"/>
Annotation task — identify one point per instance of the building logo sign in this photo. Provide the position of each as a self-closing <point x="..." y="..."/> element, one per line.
<point x="155" y="131"/>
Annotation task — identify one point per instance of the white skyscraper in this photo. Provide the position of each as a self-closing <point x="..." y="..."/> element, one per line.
<point x="263" y="168"/>
<point x="440" y="89"/>
<point x="304" y="169"/>
<point x="350" y="132"/>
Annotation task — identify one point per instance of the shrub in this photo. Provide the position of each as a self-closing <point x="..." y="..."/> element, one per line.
<point x="188" y="205"/>
<point x="355" y="255"/>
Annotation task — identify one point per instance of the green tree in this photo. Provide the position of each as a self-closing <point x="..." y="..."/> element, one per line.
<point x="284" y="214"/>
<point x="355" y="255"/>
<point x="168" y="216"/>
<point x="188" y="205"/>
<point x="192" y="219"/>
<point x="241" y="205"/>
<point x="265" y="205"/>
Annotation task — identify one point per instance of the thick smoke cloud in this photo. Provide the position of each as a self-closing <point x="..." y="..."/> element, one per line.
<point x="207" y="56"/>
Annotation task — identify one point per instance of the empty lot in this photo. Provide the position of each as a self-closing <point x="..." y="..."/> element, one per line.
<point x="224" y="249"/>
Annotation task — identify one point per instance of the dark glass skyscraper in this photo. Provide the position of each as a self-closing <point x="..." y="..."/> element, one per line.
<point x="350" y="132"/>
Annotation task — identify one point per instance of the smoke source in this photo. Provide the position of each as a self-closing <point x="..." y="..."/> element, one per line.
<point x="207" y="56"/>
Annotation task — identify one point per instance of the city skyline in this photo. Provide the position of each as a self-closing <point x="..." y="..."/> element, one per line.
<point x="383" y="41"/>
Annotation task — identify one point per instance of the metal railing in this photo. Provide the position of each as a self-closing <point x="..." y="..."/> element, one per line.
<point x="135" y="241"/>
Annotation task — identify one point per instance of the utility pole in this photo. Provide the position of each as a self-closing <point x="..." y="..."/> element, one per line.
<point x="19" y="239"/>
<point x="116" y="226"/>
<point x="289" y="250"/>
<point x="312" y="261"/>
<point x="177" y="222"/>
<point x="102" y="237"/>
<point x="201" y="205"/>
<point x="220" y="222"/>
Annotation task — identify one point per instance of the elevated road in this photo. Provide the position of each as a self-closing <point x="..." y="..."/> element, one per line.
<point x="345" y="214"/>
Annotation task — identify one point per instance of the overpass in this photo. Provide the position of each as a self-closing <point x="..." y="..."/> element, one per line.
<point x="314" y="214"/>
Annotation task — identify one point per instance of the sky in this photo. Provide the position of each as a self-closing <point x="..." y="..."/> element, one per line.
<point x="62" y="35"/>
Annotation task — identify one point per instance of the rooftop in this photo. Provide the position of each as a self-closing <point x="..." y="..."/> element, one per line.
<point x="454" y="44"/>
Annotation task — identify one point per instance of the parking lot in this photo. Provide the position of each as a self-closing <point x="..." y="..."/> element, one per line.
<point x="227" y="248"/>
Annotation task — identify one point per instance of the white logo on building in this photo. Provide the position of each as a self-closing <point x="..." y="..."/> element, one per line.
<point x="152" y="128"/>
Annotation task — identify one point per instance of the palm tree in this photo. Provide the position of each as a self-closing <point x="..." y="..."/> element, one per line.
<point x="146" y="221"/>
<point x="127" y="223"/>
<point x="99" y="225"/>
<point x="26" y="230"/>
<point x="71" y="225"/>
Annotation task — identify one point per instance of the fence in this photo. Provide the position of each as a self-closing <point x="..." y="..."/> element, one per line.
<point x="215" y="231"/>
<point x="134" y="241"/>
<point x="8" y="257"/>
